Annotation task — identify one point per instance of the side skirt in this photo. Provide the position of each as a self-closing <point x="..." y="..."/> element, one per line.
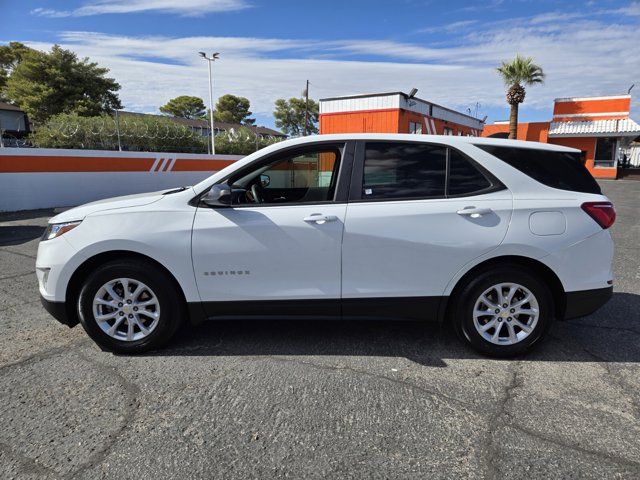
<point x="387" y="308"/>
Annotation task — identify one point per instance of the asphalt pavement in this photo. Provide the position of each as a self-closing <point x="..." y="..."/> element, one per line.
<point x="278" y="399"/>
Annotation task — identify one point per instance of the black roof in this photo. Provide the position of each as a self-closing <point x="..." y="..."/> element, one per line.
<point x="8" y="106"/>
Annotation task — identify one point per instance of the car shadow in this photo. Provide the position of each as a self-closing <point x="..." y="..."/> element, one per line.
<point x="610" y="335"/>
<point x="12" y="234"/>
<point x="19" y="234"/>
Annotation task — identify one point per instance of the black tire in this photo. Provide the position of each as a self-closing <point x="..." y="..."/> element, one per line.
<point x="465" y="302"/>
<point x="164" y="288"/>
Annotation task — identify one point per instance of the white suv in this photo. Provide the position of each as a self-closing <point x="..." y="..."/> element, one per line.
<point x="498" y="237"/>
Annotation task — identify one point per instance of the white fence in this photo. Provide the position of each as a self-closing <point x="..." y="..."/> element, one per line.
<point x="32" y="178"/>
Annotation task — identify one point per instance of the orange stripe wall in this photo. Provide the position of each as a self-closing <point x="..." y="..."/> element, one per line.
<point x="593" y="106"/>
<point x="365" y="121"/>
<point x="382" y="121"/>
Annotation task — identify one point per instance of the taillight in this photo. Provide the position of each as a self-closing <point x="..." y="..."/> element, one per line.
<point x="602" y="212"/>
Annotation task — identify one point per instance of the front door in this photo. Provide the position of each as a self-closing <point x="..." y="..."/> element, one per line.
<point x="417" y="214"/>
<point x="276" y="251"/>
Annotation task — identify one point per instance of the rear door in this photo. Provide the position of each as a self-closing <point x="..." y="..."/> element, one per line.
<point x="417" y="214"/>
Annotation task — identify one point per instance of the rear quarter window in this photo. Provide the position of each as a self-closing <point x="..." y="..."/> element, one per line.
<point x="561" y="170"/>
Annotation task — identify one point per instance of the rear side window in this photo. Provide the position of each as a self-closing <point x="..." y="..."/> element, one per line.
<point x="464" y="178"/>
<point x="554" y="169"/>
<point x="404" y="170"/>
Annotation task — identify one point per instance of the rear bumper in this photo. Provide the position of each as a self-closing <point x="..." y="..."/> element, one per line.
<point x="58" y="310"/>
<point x="585" y="302"/>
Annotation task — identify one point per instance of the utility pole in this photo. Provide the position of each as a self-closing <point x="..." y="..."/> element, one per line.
<point x="211" y="59"/>
<point x="306" y="108"/>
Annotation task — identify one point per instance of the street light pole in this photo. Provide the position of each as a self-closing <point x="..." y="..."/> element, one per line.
<point x="210" y="60"/>
<point x="306" y="108"/>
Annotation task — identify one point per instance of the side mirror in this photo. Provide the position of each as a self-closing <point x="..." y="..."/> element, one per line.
<point x="265" y="180"/>
<point x="218" y="196"/>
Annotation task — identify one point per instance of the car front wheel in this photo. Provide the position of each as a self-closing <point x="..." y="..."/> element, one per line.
<point x="129" y="306"/>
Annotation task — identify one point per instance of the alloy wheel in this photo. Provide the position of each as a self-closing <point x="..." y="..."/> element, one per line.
<point x="126" y="309"/>
<point x="506" y="313"/>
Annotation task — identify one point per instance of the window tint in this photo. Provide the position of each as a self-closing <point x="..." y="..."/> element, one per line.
<point x="403" y="170"/>
<point x="554" y="169"/>
<point x="464" y="177"/>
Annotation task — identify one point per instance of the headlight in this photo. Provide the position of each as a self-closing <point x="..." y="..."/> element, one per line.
<point x="56" y="229"/>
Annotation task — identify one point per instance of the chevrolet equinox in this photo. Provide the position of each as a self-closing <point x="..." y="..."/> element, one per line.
<point x="498" y="237"/>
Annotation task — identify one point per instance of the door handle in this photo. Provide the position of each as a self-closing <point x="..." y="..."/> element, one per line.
<point x="474" y="212"/>
<point x="320" y="218"/>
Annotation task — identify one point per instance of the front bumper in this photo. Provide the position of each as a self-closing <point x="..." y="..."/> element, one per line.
<point x="58" y="310"/>
<point x="585" y="302"/>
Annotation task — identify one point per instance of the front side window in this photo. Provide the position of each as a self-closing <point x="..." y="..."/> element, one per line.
<point x="304" y="177"/>
<point x="448" y="131"/>
<point x="403" y="170"/>
<point x="415" y="127"/>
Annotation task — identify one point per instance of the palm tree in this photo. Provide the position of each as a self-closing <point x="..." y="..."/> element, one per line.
<point x="516" y="73"/>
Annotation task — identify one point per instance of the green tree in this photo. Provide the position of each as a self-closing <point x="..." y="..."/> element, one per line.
<point x="45" y="84"/>
<point x="290" y="115"/>
<point x="10" y="56"/>
<point x="233" y="109"/>
<point x="518" y="72"/>
<point x="185" y="106"/>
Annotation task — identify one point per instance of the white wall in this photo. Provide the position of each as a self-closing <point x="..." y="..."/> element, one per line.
<point x="48" y="188"/>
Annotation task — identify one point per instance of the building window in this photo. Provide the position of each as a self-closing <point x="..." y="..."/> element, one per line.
<point x="448" y="131"/>
<point x="415" y="127"/>
<point x="605" y="152"/>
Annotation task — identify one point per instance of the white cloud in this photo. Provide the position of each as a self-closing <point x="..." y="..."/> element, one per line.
<point x="582" y="57"/>
<point x="449" y="27"/>
<point x="633" y="9"/>
<point x="183" y="8"/>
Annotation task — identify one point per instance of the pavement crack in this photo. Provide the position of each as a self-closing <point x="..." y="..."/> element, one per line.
<point x="499" y="420"/>
<point x="132" y="402"/>
<point x="18" y="275"/>
<point x="52" y="352"/>
<point x="612" y="376"/>
<point x="404" y="383"/>
<point x="28" y="465"/>
<point x="5" y="249"/>
<point x="571" y="446"/>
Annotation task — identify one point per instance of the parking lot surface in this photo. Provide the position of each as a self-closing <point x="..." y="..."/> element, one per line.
<point x="318" y="399"/>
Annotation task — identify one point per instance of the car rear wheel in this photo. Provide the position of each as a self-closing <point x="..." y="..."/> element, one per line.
<point x="504" y="312"/>
<point x="129" y="307"/>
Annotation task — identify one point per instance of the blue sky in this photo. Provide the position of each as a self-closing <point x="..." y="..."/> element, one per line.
<point x="448" y="50"/>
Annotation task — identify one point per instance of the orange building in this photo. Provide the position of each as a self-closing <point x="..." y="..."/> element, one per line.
<point x="598" y="126"/>
<point x="394" y="112"/>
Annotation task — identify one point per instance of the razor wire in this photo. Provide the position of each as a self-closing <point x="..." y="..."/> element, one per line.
<point x="127" y="128"/>
<point x="103" y="132"/>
